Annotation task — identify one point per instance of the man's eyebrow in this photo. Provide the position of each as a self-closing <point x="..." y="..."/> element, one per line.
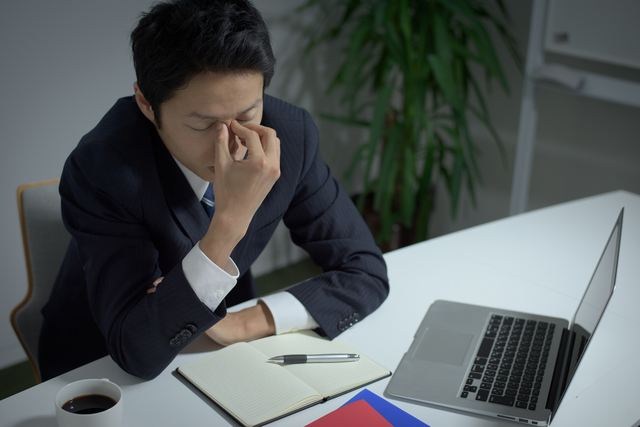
<point x="196" y="115"/>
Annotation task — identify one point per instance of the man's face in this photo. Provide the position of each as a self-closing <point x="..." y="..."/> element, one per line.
<point x="189" y="119"/>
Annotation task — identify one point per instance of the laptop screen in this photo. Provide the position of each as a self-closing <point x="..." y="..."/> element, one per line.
<point x="594" y="300"/>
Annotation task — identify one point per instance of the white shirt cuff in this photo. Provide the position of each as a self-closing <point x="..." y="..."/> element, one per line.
<point x="210" y="282"/>
<point x="289" y="315"/>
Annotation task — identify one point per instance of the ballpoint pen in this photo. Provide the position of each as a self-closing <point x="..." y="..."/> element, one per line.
<point x="314" y="358"/>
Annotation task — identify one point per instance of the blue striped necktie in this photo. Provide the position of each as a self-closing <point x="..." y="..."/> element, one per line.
<point x="208" y="201"/>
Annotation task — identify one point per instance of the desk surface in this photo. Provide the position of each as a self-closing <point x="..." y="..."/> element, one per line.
<point x="540" y="261"/>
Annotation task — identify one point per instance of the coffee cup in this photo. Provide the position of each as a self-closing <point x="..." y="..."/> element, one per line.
<point x="89" y="403"/>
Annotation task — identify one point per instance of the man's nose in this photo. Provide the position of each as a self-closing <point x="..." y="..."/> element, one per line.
<point x="232" y="136"/>
<point x="234" y="141"/>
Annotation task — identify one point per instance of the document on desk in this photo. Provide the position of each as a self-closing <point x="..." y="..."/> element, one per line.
<point x="242" y="381"/>
<point x="358" y="413"/>
<point x="370" y="410"/>
<point x="394" y="415"/>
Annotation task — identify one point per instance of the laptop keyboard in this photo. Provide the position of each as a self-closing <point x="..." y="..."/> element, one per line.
<point x="511" y="363"/>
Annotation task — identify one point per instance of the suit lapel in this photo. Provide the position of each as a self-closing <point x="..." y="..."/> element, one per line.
<point x="184" y="205"/>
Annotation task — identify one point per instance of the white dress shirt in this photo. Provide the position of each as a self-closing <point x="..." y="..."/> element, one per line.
<point x="212" y="283"/>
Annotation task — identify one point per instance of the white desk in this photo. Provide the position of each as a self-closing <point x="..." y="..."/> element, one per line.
<point x="539" y="261"/>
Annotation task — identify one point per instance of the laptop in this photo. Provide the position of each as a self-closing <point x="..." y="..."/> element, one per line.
<point x="500" y="363"/>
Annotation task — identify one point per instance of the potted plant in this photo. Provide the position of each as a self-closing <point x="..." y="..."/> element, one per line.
<point x="406" y="75"/>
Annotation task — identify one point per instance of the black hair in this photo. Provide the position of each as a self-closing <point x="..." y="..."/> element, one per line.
<point x="177" y="40"/>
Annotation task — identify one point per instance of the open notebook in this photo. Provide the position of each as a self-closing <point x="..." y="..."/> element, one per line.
<point x="254" y="391"/>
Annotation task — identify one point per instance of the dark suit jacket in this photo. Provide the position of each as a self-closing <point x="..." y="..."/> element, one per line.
<point x="133" y="217"/>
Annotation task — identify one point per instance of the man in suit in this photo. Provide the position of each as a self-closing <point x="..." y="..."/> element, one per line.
<point x="148" y="268"/>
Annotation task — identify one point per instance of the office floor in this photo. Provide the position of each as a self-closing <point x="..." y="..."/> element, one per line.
<point x="19" y="377"/>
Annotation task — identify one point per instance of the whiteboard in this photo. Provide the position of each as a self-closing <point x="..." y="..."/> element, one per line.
<point x="601" y="30"/>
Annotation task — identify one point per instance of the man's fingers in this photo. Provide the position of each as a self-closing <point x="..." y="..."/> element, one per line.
<point x="222" y="143"/>
<point x="248" y="137"/>
<point x="267" y="138"/>
<point x="155" y="283"/>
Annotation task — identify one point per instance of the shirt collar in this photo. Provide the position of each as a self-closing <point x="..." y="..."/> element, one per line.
<point x="198" y="185"/>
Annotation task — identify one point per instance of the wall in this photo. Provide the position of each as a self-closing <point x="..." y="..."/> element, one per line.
<point x="64" y="63"/>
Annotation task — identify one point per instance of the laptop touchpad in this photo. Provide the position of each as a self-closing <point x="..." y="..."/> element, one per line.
<point x="440" y="346"/>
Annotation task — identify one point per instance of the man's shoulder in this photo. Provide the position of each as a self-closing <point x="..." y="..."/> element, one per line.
<point x="120" y="144"/>
<point x="276" y="109"/>
<point x="123" y="129"/>
<point x="122" y="124"/>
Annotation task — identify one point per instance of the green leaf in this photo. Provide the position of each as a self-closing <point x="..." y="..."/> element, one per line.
<point x="354" y="63"/>
<point x="355" y="160"/>
<point x="387" y="218"/>
<point x="408" y="185"/>
<point x="486" y="51"/>
<point x="376" y="129"/>
<point x="510" y="42"/>
<point x="456" y="182"/>
<point x="503" y="9"/>
<point x="496" y="137"/>
<point x="423" y="195"/>
<point x="472" y="191"/>
<point x="427" y="169"/>
<point x="405" y="73"/>
<point x="443" y="46"/>
<point x="462" y="50"/>
<point x="422" y="48"/>
<point x="445" y="81"/>
<point x="469" y="157"/>
<point x="394" y="43"/>
<point x="479" y="95"/>
<point x="385" y="188"/>
<point x="350" y="9"/>
<point x="405" y="20"/>
<point x="345" y="120"/>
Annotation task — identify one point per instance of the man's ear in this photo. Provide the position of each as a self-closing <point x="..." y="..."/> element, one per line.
<point x="143" y="104"/>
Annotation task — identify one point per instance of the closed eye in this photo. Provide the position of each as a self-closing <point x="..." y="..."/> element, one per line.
<point x="242" y="122"/>
<point x="201" y="130"/>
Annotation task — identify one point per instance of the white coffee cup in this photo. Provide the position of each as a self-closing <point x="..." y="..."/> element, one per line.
<point x="111" y="417"/>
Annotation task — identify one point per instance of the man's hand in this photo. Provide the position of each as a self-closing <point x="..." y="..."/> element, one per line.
<point x="155" y="285"/>
<point x="245" y="325"/>
<point x="239" y="186"/>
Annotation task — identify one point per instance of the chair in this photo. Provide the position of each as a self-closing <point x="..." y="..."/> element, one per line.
<point x="45" y="243"/>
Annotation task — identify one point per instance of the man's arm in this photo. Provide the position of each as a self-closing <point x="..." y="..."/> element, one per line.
<point x="240" y="187"/>
<point x="244" y="325"/>
<point x="324" y="221"/>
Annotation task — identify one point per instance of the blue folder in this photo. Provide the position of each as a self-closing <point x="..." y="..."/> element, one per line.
<point x="389" y="411"/>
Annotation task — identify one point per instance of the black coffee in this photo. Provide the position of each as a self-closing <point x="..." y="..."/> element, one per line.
<point x="89" y="404"/>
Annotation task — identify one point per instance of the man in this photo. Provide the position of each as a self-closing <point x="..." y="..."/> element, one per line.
<point x="148" y="269"/>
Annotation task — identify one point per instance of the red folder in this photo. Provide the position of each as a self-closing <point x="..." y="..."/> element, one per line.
<point x="358" y="413"/>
